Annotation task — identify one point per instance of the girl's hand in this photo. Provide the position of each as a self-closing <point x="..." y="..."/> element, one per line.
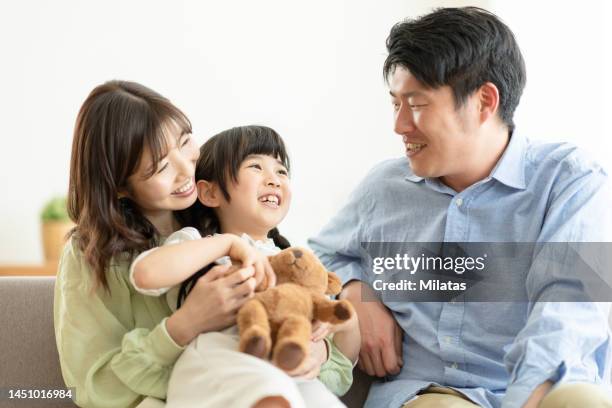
<point x="213" y="303"/>
<point x="312" y="366"/>
<point x="248" y="256"/>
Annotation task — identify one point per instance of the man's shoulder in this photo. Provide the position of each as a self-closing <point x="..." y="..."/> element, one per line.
<point x="390" y="168"/>
<point x="560" y="161"/>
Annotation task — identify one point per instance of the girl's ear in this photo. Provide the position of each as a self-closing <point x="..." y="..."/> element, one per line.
<point x="208" y="193"/>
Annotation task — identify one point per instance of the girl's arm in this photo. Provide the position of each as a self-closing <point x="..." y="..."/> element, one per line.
<point x="170" y="265"/>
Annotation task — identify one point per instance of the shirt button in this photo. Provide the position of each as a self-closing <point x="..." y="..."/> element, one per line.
<point x="455" y="365"/>
<point x="459" y="202"/>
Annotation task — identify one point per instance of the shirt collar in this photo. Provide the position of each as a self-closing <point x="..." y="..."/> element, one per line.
<point x="509" y="170"/>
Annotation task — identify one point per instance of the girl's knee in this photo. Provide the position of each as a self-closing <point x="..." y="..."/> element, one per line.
<point x="272" y="402"/>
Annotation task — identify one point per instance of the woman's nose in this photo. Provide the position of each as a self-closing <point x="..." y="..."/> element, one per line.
<point x="184" y="165"/>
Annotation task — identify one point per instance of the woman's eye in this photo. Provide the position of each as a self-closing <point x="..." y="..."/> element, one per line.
<point x="164" y="167"/>
<point x="186" y="141"/>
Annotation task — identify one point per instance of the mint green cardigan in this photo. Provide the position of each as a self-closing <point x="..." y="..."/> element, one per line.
<point x="113" y="346"/>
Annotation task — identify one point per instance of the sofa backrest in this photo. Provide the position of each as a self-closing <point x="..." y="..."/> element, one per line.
<point x="28" y="354"/>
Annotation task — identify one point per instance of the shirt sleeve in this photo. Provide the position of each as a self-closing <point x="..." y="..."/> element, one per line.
<point x="338" y="245"/>
<point x="184" y="234"/>
<point x="337" y="372"/>
<point x="564" y="341"/>
<point x="108" y="361"/>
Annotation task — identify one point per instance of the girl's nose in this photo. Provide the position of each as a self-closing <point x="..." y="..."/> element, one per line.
<point x="273" y="180"/>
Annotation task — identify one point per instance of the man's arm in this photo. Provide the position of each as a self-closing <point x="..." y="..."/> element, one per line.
<point x="562" y="340"/>
<point x="338" y="247"/>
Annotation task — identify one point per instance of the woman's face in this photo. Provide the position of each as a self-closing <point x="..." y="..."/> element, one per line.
<point x="172" y="185"/>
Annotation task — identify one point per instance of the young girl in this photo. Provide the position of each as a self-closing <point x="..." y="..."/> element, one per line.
<point x="244" y="193"/>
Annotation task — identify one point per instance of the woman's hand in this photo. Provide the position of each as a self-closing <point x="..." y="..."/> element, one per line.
<point x="247" y="255"/>
<point x="315" y="359"/>
<point x="213" y="303"/>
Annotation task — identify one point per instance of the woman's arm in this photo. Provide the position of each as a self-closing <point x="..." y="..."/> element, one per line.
<point x="348" y="339"/>
<point x="103" y="354"/>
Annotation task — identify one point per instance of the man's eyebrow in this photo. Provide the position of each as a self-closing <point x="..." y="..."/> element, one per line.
<point x="406" y="94"/>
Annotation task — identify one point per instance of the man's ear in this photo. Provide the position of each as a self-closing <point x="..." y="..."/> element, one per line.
<point x="488" y="98"/>
<point x="208" y="193"/>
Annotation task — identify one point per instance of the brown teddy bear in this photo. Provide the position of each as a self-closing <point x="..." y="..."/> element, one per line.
<point x="279" y="318"/>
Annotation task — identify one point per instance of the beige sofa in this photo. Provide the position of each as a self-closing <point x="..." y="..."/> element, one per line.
<point x="28" y="353"/>
<point x="29" y="357"/>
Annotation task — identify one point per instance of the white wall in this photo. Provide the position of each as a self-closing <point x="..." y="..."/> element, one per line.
<point x="312" y="70"/>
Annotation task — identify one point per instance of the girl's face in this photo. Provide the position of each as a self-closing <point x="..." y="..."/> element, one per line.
<point x="259" y="200"/>
<point x="172" y="185"/>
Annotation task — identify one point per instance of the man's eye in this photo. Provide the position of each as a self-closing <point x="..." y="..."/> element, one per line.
<point x="396" y="106"/>
<point x="414" y="106"/>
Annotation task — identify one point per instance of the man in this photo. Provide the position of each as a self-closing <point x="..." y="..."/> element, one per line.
<point x="455" y="78"/>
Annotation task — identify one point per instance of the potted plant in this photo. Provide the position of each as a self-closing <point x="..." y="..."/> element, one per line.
<point x="55" y="227"/>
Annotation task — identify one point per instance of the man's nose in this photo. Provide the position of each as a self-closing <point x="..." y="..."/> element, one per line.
<point x="404" y="121"/>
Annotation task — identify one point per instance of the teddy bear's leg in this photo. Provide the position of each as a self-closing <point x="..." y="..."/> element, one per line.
<point x="254" y="329"/>
<point x="332" y="311"/>
<point x="292" y="342"/>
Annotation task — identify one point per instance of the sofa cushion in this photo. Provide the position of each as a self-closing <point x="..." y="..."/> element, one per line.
<point x="29" y="357"/>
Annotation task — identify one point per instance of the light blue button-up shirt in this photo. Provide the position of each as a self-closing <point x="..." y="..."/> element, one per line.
<point x="495" y="353"/>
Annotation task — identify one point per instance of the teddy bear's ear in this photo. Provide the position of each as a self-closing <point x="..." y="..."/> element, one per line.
<point x="334" y="284"/>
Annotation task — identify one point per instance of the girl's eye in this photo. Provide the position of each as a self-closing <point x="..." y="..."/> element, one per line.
<point x="283" y="172"/>
<point x="255" y="165"/>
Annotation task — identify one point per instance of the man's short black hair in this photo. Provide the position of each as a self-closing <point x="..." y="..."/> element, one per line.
<point x="463" y="48"/>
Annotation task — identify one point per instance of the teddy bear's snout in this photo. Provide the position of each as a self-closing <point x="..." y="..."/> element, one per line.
<point x="297" y="253"/>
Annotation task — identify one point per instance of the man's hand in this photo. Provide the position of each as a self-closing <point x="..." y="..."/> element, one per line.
<point x="381" y="336"/>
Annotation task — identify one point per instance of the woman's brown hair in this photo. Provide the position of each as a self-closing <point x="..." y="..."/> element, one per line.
<point x="117" y="122"/>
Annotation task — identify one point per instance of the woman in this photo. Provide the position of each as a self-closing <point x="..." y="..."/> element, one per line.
<point x="132" y="167"/>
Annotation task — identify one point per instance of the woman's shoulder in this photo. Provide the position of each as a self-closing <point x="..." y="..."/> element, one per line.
<point x="74" y="267"/>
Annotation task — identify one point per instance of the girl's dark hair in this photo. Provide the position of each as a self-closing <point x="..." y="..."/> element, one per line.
<point x="462" y="48"/>
<point x="219" y="162"/>
<point x="116" y="123"/>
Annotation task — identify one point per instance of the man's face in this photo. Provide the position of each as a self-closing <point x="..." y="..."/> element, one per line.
<point x="441" y="141"/>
